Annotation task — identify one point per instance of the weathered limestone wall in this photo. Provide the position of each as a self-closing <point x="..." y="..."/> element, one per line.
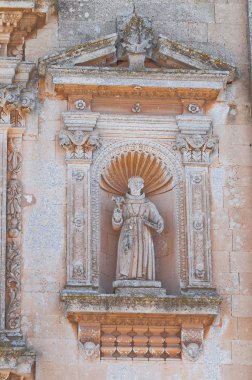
<point x="219" y="28"/>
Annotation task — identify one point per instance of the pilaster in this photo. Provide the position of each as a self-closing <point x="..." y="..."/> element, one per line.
<point x="196" y="144"/>
<point x="79" y="140"/>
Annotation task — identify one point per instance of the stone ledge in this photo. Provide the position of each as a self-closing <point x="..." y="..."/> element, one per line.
<point x="110" y="326"/>
<point x="189" y="304"/>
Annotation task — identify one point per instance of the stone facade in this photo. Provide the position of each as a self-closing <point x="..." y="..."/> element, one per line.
<point x="93" y="93"/>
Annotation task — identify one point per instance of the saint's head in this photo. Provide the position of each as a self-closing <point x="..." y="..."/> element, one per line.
<point x="135" y="185"/>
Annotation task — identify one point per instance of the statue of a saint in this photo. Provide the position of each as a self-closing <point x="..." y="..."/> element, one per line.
<point x="136" y="216"/>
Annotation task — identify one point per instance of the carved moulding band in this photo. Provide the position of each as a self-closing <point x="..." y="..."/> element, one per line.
<point x="103" y="158"/>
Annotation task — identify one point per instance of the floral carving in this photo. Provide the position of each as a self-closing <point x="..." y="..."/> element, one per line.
<point x="13" y="284"/>
<point x="196" y="148"/>
<point x="78" y="175"/>
<point x="14" y="225"/>
<point x="136" y="108"/>
<point x="14" y="190"/>
<point x="79" y="144"/>
<point x="193" y="108"/>
<point x="80" y="104"/>
<point x="13" y="103"/>
<point x="77" y="271"/>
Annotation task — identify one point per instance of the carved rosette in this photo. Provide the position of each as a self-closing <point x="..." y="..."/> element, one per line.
<point x="14" y="226"/>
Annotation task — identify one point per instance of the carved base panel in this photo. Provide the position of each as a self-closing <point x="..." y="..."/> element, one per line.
<point x="118" y="327"/>
<point x="138" y="342"/>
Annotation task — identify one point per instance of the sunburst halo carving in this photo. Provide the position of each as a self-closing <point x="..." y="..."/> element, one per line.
<point x="156" y="175"/>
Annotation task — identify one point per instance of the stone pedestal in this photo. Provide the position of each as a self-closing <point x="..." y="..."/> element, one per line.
<point x="138" y="288"/>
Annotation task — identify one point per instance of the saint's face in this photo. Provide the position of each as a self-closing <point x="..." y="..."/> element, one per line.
<point x="136" y="185"/>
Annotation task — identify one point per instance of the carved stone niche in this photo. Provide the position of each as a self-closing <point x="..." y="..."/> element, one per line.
<point x="124" y="122"/>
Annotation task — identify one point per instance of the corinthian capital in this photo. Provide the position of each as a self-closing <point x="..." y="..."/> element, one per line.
<point x="79" y="144"/>
<point x="196" y="148"/>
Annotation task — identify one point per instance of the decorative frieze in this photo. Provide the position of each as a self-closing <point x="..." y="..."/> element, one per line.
<point x="14" y="226"/>
<point x="3" y="185"/>
<point x="14" y="358"/>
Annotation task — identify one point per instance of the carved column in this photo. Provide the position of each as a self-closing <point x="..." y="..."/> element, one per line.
<point x="79" y="141"/>
<point x="14" y="228"/>
<point x="196" y="143"/>
<point x="3" y="185"/>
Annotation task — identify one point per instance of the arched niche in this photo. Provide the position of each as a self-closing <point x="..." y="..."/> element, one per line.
<point x="168" y="196"/>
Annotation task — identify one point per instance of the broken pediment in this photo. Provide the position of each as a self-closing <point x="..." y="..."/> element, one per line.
<point x="136" y="46"/>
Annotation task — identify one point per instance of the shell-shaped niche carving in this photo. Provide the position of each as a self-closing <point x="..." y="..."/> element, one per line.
<point x="157" y="176"/>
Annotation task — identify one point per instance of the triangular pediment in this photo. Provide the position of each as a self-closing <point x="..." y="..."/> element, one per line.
<point x="165" y="54"/>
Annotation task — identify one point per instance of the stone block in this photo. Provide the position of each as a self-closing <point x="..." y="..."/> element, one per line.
<point x="233" y="38"/>
<point x="228" y="328"/>
<point x="246" y="283"/>
<point x="52" y="110"/>
<point x="245" y="328"/>
<point x="182" y="31"/>
<point x="240" y="175"/>
<point x="242" y="352"/>
<point x="231" y="13"/>
<point x="172" y="10"/>
<point x="76" y="11"/>
<point x="237" y="196"/>
<point x="219" y="219"/>
<point x="242" y="306"/>
<point x="234" y="372"/>
<point x="221" y="240"/>
<point x="237" y="155"/>
<point x="241" y="262"/>
<point x="242" y="240"/>
<point x="227" y="283"/>
<point x="240" y="218"/>
<point x="221" y="262"/>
